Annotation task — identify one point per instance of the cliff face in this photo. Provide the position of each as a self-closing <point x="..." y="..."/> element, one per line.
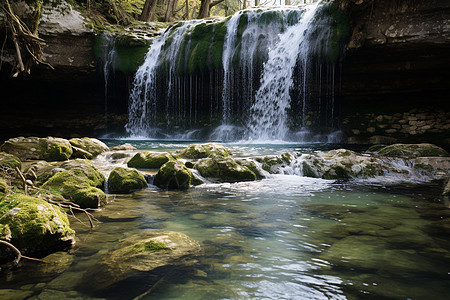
<point x="397" y="64"/>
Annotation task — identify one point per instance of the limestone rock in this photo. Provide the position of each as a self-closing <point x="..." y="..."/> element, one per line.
<point x="34" y="148"/>
<point x="9" y="161"/>
<point x="197" y="151"/>
<point x="90" y="147"/>
<point x="410" y="150"/>
<point x="123" y="180"/>
<point x="174" y="175"/>
<point x="149" y="160"/>
<point x="34" y="224"/>
<point x="224" y="169"/>
<point x="148" y="253"/>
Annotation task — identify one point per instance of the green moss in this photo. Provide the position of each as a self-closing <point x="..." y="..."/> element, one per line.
<point x="149" y="160"/>
<point x="55" y="149"/>
<point x="413" y="150"/>
<point x="75" y="186"/>
<point x="344" y="153"/>
<point x="149" y="246"/>
<point x="425" y="167"/>
<point x="129" y="59"/>
<point x="224" y="170"/>
<point x="173" y="175"/>
<point x="84" y="168"/>
<point x="375" y="148"/>
<point x="9" y="161"/>
<point x="123" y="180"/>
<point x="3" y="189"/>
<point x="34" y="224"/>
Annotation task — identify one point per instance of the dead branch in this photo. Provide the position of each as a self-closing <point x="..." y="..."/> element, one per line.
<point x="18" y="253"/>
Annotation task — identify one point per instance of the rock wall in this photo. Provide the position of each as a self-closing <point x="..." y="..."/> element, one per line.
<point x="395" y="82"/>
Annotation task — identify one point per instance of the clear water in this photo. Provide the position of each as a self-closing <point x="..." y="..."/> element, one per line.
<point x="283" y="237"/>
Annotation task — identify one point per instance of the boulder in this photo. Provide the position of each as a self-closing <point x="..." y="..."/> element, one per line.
<point x="123" y="147"/>
<point x="339" y="164"/>
<point x="87" y="147"/>
<point x="122" y="180"/>
<point x="274" y="163"/>
<point x="3" y="188"/>
<point x="410" y="150"/>
<point x="77" y="187"/>
<point x="43" y="170"/>
<point x="85" y="168"/>
<point x="33" y="225"/>
<point x="174" y="175"/>
<point x="153" y="253"/>
<point x="197" y="151"/>
<point x="34" y="148"/>
<point x="149" y="160"/>
<point x="9" y="161"/>
<point x="224" y="169"/>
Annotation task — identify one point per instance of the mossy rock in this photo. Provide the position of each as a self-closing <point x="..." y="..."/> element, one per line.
<point x="224" y="169"/>
<point x="123" y="180"/>
<point x="33" y="225"/>
<point x="123" y="147"/>
<point x="446" y="191"/>
<point x="251" y="165"/>
<point x="273" y="163"/>
<point x="92" y="146"/>
<point x="174" y="175"/>
<point x="149" y="160"/>
<point x="75" y="187"/>
<point x="83" y="167"/>
<point x="34" y="148"/>
<point x="412" y="150"/>
<point x="3" y="188"/>
<point x="9" y="161"/>
<point x="152" y="250"/>
<point x="43" y="170"/>
<point x="197" y="151"/>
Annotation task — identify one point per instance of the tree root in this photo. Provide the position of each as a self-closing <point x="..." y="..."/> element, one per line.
<point x="18" y="253"/>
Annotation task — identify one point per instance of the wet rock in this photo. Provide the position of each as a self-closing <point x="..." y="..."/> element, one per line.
<point x="34" y="225"/>
<point x="123" y="147"/>
<point x="150" y="160"/>
<point x="224" y="170"/>
<point x="340" y="164"/>
<point x="252" y="166"/>
<point x="410" y="150"/>
<point x="149" y="252"/>
<point x="79" y="183"/>
<point x="123" y="180"/>
<point x="197" y="151"/>
<point x="34" y="148"/>
<point x="90" y="147"/>
<point x="174" y="175"/>
<point x="275" y="163"/>
<point x="9" y="161"/>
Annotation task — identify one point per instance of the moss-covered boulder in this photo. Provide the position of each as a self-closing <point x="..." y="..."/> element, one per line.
<point x="274" y="163"/>
<point x="197" y="151"/>
<point x="123" y="180"/>
<point x="174" y="175"/>
<point x="90" y="147"/>
<point x="83" y="167"/>
<point x="154" y="253"/>
<point x="9" y="161"/>
<point x="123" y="147"/>
<point x="149" y="160"/>
<point x="3" y="188"/>
<point x="34" y="148"/>
<point x="34" y="225"/>
<point x="224" y="169"/>
<point x="410" y="150"/>
<point x="43" y="170"/>
<point x="76" y="187"/>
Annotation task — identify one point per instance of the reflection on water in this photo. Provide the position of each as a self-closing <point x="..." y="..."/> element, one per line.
<point x="284" y="237"/>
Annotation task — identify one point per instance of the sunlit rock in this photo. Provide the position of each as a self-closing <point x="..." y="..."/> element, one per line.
<point x="123" y="180"/>
<point x="197" y="151"/>
<point x="34" y="148"/>
<point x="87" y="147"/>
<point x="149" y="160"/>
<point x="224" y="169"/>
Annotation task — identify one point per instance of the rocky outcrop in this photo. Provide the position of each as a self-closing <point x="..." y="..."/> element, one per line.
<point x="87" y="147"/>
<point x="410" y="150"/>
<point x="34" y="148"/>
<point x="123" y="180"/>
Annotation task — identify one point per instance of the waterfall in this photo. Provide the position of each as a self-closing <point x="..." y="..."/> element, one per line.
<point x="260" y="74"/>
<point x="268" y="117"/>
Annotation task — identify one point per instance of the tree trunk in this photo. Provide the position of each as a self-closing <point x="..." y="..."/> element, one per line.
<point x="257" y="2"/>
<point x="148" y="11"/>
<point x="205" y="8"/>
<point x="170" y="9"/>
<point x="187" y="10"/>
<point x="287" y="2"/>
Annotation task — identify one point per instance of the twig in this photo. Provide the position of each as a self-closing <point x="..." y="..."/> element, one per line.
<point x="18" y="253"/>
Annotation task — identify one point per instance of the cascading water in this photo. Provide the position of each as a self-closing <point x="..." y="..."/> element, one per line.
<point x="260" y="74"/>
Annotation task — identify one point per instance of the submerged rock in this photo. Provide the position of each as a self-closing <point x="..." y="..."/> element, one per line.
<point x="149" y="160"/>
<point x="409" y="150"/>
<point x="34" y="225"/>
<point x="9" y="161"/>
<point x="34" y="148"/>
<point x="174" y="175"/>
<point x="224" y="170"/>
<point x="197" y="151"/>
<point x="149" y="255"/>
<point x="123" y="180"/>
<point x="87" y="147"/>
